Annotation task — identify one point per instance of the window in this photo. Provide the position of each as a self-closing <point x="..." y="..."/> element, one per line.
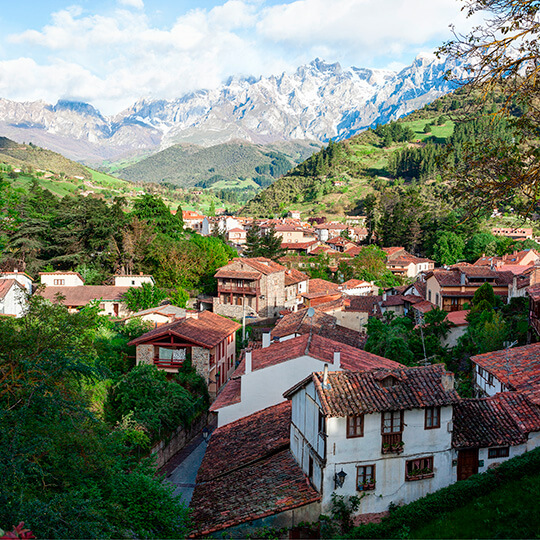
<point x="480" y="372"/>
<point x="365" y="478"/>
<point x="494" y="453"/>
<point x="322" y="423"/>
<point x="355" y="426"/>
<point x="417" y="469"/>
<point x="433" y="418"/>
<point x="59" y="281"/>
<point x="429" y="296"/>
<point x="490" y="379"/>
<point x="392" y="422"/>
<point x="437" y="299"/>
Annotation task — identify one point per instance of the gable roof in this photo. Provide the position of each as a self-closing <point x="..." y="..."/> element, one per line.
<point x="230" y="394"/>
<point x="517" y="368"/>
<point x="80" y="295"/>
<point x="500" y="420"/>
<point x="262" y="480"/>
<point x="294" y="276"/>
<point x="207" y="330"/>
<point x="321" y="324"/>
<point x="319" y="285"/>
<point x="354" y="283"/>
<point x="360" y="392"/>
<point x="317" y="347"/>
<point x="6" y="285"/>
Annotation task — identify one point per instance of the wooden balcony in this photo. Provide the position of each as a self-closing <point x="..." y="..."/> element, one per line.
<point x="235" y="289"/>
<point x="392" y="443"/>
<point x="167" y="363"/>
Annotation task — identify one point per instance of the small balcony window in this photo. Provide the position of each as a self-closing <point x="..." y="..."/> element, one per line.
<point x="418" y="469"/>
<point x="365" y="478"/>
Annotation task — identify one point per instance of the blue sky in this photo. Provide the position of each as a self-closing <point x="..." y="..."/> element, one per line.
<point x="112" y="52"/>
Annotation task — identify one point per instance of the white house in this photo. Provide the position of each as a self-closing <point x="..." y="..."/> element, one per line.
<point x="384" y="432"/>
<point x="20" y="277"/>
<point x="61" y="279"/>
<point x="358" y="287"/>
<point x="13" y="298"/>
<point x="125" y="280"/>
<point x="264" y="374"/>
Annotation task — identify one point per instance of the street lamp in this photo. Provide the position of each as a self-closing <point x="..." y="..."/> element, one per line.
<point x="205" y="434"/>
<point x="339" y="478"/>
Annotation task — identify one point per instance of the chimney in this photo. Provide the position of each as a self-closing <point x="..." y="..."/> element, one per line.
<point x="384" y="296"/>
<point x="337" y="359"/>
<point x="447" y="380"/>
<point x="325" y="376"/>
<point x="141" y="274"/>
<point x="248" y="361"/>
<point x="266" y="338"/>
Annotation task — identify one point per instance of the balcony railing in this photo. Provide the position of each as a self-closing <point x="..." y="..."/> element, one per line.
<point x="392" y="443"/>
<point x="235" y="289"/>
<point x="168" y="363"/>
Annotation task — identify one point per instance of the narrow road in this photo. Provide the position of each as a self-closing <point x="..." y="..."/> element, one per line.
<point x="183" y="476"/>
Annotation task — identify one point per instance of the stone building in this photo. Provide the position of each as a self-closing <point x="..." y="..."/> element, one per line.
<point x="204" y="338"/>
<point x="253" y="286"/>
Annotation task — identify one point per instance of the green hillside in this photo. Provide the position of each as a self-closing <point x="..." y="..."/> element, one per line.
<point x="335" y="181"/>
<point x="236" y="164"/>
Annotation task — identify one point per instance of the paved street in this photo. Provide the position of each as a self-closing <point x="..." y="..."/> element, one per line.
<point x="183" y="476"/>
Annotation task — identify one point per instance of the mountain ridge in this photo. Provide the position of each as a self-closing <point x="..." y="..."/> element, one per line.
<point x="319" y="101"/>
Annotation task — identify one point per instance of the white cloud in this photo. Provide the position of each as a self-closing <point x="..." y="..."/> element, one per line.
<point x="113" y="58"/>
<point x="138" y="4"/>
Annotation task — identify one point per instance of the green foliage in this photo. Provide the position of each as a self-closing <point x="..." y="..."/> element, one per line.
<point x="390" y="339"/>
<point x="144" y="297"/>
<point x="64" y="472"/>
<point x="179" y="297"/>
<point x="394" y="132"/>
<point x="153" y="402"/>
<point x="448" y="248"/>
<point x="370" y="265"/>
<point x="153" y="210"/>
<point x="439" y="503"/>
<point x="267" y="244"/>
<point x="340" y="521"/>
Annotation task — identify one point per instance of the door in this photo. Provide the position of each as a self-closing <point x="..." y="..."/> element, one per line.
<point x="467" y="463"/>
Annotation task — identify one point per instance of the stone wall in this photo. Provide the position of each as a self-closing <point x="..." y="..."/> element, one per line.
<point x="200" y="360"/>
<point x="165" y="449"/>
<point x="145" y="354"/>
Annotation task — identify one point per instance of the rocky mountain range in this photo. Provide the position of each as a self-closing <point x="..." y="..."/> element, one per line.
<point x="318" y="102"/>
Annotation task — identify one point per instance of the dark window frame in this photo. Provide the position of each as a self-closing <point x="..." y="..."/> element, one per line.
<point x="392" y="413"/>
<point x="355" y="426"/>
<point x="362" y="482"/>
<point x="500" y="452"/>
<point x="419" y="468"/>
<point x="432" y="416"/>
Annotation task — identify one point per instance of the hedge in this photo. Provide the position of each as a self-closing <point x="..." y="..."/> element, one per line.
<point x="449" y="498"/>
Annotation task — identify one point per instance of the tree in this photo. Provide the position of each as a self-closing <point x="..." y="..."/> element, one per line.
<point x="501" y="56"/>
<point x="448" y="248"/>
<point x="390" y="339"/>
<point x="144" y="297"/>
<point x="153" y="210"/>
<point x="267" y="244"/>
<point x="370" y="265"/>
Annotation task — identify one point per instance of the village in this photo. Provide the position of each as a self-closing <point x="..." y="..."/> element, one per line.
<point x="300" y="412"/>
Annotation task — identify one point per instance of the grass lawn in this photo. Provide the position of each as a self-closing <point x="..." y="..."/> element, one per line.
<point x="511" y="511"/>
<point x="442" y="132"/>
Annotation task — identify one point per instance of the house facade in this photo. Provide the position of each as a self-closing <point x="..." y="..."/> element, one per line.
<point x="204" y="338"/>
<point x="13" y="298"/>
<point x="136" y="280"/>
<point x="61" y="279"/>
<point x="374" y="432"/>
<point x="254" y="287"/>
<point x="20" y="277"/>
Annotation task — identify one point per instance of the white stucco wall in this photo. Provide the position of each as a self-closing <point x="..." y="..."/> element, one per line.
<point x="264" y="387"/>
<point x="132" y="281"/>
<point x="14" y="302"/>
<point x="481" y="382"/>
<point x="70" y="280"/>
<point x="19" y="277"/>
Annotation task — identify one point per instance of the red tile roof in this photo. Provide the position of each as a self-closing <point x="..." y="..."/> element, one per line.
<point x="237" y="274"/>
<point x="248" y="473"/>
<point x="354" y="283"/>
<point x="501" y="420"/>
<point x="247" y="439"/>
<point x="458" y="318"/>
<point x="353" y="251"/>
<point x="207" y="330"/>
<point x="317" y="347"/>
<point x="6" y="284"/>
<point x="365" y="304"/>
<point x="318" y="285"/>
<point x="298" y="245"/>
<point x="360" y="392"/>
<point x="80" y="295"/>
<point x="517" y="368"/>
<point x="392" y="251"/>
<point x="321" y="324"/>
<point x="294" y="276"/>
<point x="230" y="394"/>
<point x="259" y="264"/>
<point x="424" y="306"/>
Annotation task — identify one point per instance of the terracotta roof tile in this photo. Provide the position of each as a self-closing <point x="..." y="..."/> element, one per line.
<point x="500" y="420"/>
<point x="208" y="329"/>
<point x="517" y="368"/>
<point x="321" y="324"/>
<point x="318" y="285"/>
<point x="365" y="304"/>
<point x="247" y="439"/>
<point x="294" y="276"/>
<point x="248" y="473"/>
<point x="354" y="283"/>
<point x="230" y="393"/>
<point x="236" y="274"/>
<point x="80" y="295"/>
<point x="317" y="347"/>
<point x="458" y="318"/>
<point x="359" y="392"/>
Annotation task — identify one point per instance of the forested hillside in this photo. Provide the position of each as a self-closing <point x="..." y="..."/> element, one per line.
<point x="234" y="164"/>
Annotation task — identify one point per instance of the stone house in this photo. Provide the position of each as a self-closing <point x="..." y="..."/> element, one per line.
<point x="252" y="286"/>
<point x="204" y="338"/>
